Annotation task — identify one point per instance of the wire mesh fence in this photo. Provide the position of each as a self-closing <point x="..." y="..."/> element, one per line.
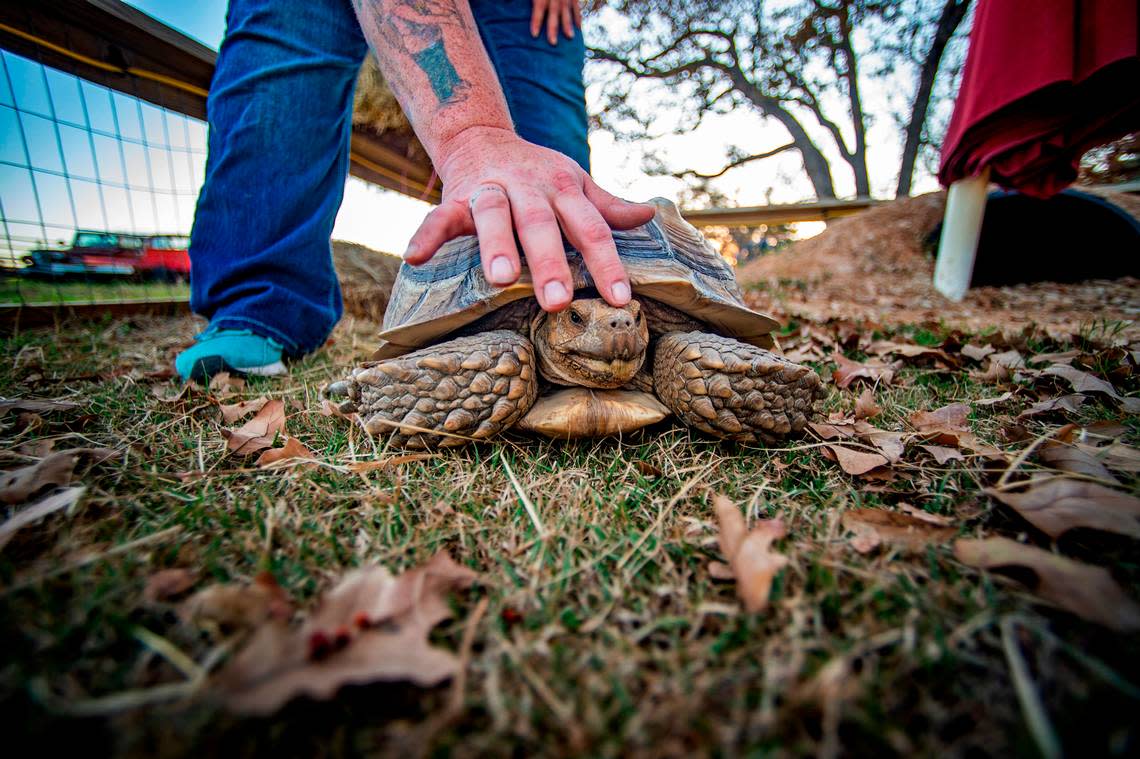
<point x="97" y="191"/>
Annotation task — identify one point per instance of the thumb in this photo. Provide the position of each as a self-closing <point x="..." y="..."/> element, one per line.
<point x="618" y="213"/>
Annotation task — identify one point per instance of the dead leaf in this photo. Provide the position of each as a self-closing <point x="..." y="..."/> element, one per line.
<point x="224" y="385"/>
<point x="1071" y="403"/>
<point x="926" y="516"/>
<point x="1058" y="505"/>
<point x="1054" y="358"/>
<point x="231" y="412"/>
<point x="1117" y="456"/>
<point x="293" y="449"/>
<point x="235" y="607"/>
<point x="1087" y="591"/>
<point x="370" y="627"/>
<point x="32" y="513"/>
<point x="909" y="350"/>
<point x="943" y="454"/>
<point x="948" y="418"/>
<point x="828" y="431"/>
<point x="848" y="371"/>
<point x="866" y="407"/>
<point x="751" y="560"/>
<point x="1083" y="382"/>
<point x="169" y="583"/>
<point x="328" y="408"/>
<point x="647" y="469"/>
<point x="1069" y="458"/>
<point x="993" y="401"/>
<point x="392" y="461"/>
<point x="976" y="352"/>
<point x="54" y="470"/>
<point x="855" y="462"/>
<point x="890" y="444"/>
<point x="875" y="526"/>
<point x="35" y="405"/>
<point x="258" y="432"/>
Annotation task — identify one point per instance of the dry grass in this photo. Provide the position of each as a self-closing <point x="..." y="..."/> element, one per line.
<point x="604" y="634"/>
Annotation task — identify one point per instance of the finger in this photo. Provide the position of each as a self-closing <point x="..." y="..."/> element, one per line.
<point x="589" y="233"/>
<point x="492" y="214"/>
<point x="542" y="242"/>
<point x="577" y="5"/>
<point x="444" y="223"/>
<point x="538" y="10"/>
<point x="567" y="23"/>
<point x="618" y="213"/>
<point x="552" y="27"/>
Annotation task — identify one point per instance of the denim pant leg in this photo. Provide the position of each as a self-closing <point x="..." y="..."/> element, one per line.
<point x="279" y="114"/>
<point x="543" y="82"/>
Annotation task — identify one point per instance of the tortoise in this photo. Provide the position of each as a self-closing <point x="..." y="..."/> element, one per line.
<point x="463" y="360"/>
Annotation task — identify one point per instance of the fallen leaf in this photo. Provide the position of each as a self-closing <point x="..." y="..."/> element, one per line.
<point x="32" y="513"/>
<point x="1070" y="458"/>
<point x="231" y="412"/>
<point x="751" y="560"/>
<point x="848" y="371"/>
<point x="828" y="431"/>
<point x="866" y="407"/>
<point x="647" y="469"/>
<point x="909" y="350"/>
<point x="890" y="444"/>
<point x="948" y="418"/>
<point x="943" y="454"/>
<point x="35" y="405"/>
<point x="1058" y="505"/>
<point x="392" y="461"/>
<point x="1083" y="382"/>
<point x="1117" y="456"/>
<point x="926" y="516"/>
<point x="370" y="627"/>
<point x="875" y="526"/>
<point x="976" y="352"/>
<point x="224" y="384"/>
<point x="1087" y="591"/>
<point x="235" y="607"/>
<point x="1054" y="358"/>
<point x="54" y="470"/>
<point x="1071" y="403"/>
<point x="169" y="583"/>
<point x="1010" y="359"/>
<point x="993" y="401"/>
<point x="855" y="462"/>
<point x="258" y="432"/>
<point x="293" y="449"/>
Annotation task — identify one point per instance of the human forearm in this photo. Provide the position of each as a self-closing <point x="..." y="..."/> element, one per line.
<point x="434" y="61"/>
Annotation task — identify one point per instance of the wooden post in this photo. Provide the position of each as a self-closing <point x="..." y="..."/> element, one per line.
<point x="961" y="227"/>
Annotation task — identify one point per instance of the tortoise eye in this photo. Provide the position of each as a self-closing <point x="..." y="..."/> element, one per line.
<point x="575" y="317"/>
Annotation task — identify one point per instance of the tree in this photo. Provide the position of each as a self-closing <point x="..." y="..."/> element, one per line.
<point x="801" y="65"/>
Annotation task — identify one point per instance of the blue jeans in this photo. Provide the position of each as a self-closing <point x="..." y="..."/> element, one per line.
<point x="279" y="113"/>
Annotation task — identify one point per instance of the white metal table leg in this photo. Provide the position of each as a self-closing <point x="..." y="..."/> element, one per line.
<point x="961" y="227"/>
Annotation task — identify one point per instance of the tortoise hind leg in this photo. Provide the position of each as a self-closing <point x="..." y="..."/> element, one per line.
<point x="731" y="389"/>
<point x="470" y="387"/>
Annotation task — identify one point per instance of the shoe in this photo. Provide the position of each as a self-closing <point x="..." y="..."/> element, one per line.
<point x="237" y="351"/>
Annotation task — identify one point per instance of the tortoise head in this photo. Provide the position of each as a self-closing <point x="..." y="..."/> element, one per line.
<point x="591" y="343"/>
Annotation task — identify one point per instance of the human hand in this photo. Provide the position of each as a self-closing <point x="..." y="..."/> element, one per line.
<point x="569" y="12"/>
<point x="495" y="183"/>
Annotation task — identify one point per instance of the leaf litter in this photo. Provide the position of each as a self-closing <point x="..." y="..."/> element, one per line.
<point x="873" y="527"/>
<point x="1061" y="504"/>
<point x="372" y="626"/>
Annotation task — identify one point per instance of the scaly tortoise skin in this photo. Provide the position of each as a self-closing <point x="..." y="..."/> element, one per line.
<point x="463" y="360"/>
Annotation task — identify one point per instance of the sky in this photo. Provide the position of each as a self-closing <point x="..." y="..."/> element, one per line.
<point x="133" y="146"/>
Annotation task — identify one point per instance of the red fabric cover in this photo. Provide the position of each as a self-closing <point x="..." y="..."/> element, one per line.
<point x="1045" y="80"/>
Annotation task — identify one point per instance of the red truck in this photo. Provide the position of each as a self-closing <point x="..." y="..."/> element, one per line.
<point x="113" y="254"/>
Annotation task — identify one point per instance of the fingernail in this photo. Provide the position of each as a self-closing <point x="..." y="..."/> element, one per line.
<point x="412" y="250"/>
<point x="620" y="292"/>
<point x="555" y="293"/>
<point x="501" y="270"/>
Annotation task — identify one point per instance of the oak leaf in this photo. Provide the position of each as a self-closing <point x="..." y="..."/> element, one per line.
<point x="231" y="412"/>
<point x="948" y="418"/>
<point x="238" y="606"/>
<point x="54" y="470"/>
<point x="1058" y="505"/>
<point x="942" y="454"/>
<point x="866" y="407"/>
<point x="853" y="461"/>
<point x="1087" y="591"/>
<point x="258" y="433"/>
<point x="1071" y="403"/>
<point x="370" y="627"/>
<point x="1083" y="382"/>
<point x="847" y="371"/>
<point x="751" y="560"/>
<point x="1078" y="460"/>
<point x="32" y="513"/>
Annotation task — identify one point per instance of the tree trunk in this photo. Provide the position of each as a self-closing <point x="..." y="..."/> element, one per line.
<point x="952" y="14"/>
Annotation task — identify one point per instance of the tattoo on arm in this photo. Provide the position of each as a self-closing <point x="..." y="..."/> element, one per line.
<point x="415" y="29"/>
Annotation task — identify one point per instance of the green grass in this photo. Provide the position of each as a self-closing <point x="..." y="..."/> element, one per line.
<point x="606" y="636"/>
<point x="15" y="291"/>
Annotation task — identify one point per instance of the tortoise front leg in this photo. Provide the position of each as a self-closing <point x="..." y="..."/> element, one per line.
<point x="470" y="387"/>
<point x="731" y="389"/>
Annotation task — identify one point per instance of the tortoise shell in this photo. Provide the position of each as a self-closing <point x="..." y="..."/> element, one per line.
<point x="667" y="260"/>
